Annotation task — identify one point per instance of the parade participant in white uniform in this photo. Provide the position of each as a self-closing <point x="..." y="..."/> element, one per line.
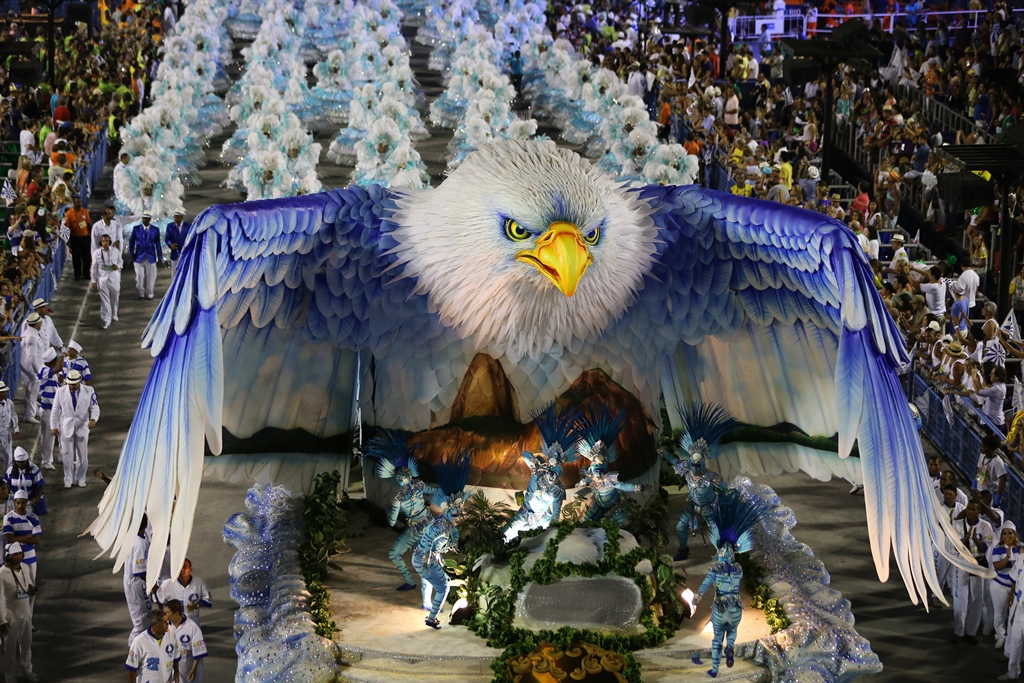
<point x="48" y="331"/>
<point x="135" y="594"/>
<point x="145" y="252"/>
<point x="75" y="412"/>
<point x="969" y="590"/>
<point x="16" y="592"/>
<point x="951" y="508"/>
<point x="191" y="590"/>
<point x="1002" y="557"/>
<point x="21" y="526"/>
<point x="1014" y="649"/>
<point x="49" y="382"/>
<point x="153" y="655"/>
<point x="74" y="360"/>
<point x="32" y="346"/>
<point x="191" y="644"/>
<point x="106" y="226"/>
<point x="106" y="279"/>
<point x="8" y="427"/>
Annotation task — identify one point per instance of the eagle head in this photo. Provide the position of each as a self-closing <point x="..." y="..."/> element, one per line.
<point x="525" y="248"/>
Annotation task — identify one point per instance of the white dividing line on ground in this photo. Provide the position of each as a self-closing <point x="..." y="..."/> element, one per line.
<point x="74" y="331"/>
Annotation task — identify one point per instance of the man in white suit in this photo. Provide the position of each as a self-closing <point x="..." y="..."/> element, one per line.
<point x="32" y="346"/>
<point x="75" y="411"/>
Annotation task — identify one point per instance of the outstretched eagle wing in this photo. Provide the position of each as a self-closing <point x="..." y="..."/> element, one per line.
<point x="272" y="300"/>
<point x="771" y="311"/>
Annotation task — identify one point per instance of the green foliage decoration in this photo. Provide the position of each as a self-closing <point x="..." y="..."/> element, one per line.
<point x="659" y="618"/>
<point x="325" y="538"/>
<point x="761" y="595"/>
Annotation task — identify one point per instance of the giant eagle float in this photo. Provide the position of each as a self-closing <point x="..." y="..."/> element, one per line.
<point x="530" y="254"/>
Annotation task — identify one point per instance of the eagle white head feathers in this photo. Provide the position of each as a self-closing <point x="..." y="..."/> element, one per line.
<point x="526" y="248"/>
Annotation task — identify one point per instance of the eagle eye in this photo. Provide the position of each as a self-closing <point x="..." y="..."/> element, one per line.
<point x="514" y="231"/>
<point x="594" y="236"/>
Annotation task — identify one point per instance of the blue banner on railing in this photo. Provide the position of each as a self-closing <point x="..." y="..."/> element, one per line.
<point x="960" y="441"/>
<point x="49" y="277"/>
<point x="86" y="177"/>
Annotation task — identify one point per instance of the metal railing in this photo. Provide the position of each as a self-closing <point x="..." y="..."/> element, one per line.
<point x="86" y="176"/>
<point x="49" y="277"/>
<point x="748" y="28"/>
<point x="959" y="440"/>
<point x="934" y="111"/>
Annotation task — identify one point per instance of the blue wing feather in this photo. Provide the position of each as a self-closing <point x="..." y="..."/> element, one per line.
<point x="788" y="269"/>
<point x="310" y="265"/>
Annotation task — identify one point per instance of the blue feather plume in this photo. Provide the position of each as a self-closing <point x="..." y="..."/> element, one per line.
<point x="732" y="519"/>
<point x="708" y="421"/>
<point x="559" y="425"/>
<point x="391" y="450"/>
<point x="599" y="425"/>
<point x="452" y="473"/>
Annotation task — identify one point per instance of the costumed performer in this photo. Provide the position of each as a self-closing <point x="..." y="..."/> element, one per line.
<point x="731" y="518"/>
<point x="441" y="535"/>
<point x="394" y="460"/>
<point x="704" y="425"/>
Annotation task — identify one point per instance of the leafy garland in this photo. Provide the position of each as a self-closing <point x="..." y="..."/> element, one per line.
<point x="753" y="579"/>
<point x="325" y="538"/>
<point x="497" y="627"/>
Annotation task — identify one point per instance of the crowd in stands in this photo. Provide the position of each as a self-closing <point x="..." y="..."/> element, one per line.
<point x="762" y="134"/>
<point x="734" y="108"/>
<point x="53" y="133"/>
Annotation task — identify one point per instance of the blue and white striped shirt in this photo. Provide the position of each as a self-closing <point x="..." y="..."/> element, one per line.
<point x="80" y="364"/>
<point x="998" y="553"/>
<point x="20" y="525"/>
<point x="48" y="385"/>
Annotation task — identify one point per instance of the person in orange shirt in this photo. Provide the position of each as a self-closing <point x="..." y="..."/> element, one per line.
<point x="78" y="223"/>
<point x="664" y="118"/>
<point x="692" y="145"/>
<point x="62" y="148"/>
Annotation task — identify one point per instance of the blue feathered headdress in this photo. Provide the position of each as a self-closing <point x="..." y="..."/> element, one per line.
<point x="452" y="473"/>
<point x="707" y="422"/>
<point x="391" y="450"/>
<point x="732" y="518"/>
<point x="600" y="425"/>
<point x="559" y="426"/>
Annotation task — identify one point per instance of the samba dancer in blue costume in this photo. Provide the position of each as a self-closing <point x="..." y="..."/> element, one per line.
<point x="545" y="493"/>
<point x="731" y="518"/>
<point x="704" y="425"/>
<point x="441" y="535"/>
<point x="598" y="446"/>
<point x="395" y="460"/>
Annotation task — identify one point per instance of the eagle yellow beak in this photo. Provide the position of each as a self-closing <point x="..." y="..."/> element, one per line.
<point x="561" y="255"/>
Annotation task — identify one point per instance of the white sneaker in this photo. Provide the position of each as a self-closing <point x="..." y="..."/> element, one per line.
<point x="30" y="420"/>
<point x="115" y="318"/>
<point x="856" y="487"/>
<point x="49" y="467"/>
<point x="81" y="483"/>
<point x="1005" y="677"/>
<point x="999" y="643"/>
<point x="104" y="326"/>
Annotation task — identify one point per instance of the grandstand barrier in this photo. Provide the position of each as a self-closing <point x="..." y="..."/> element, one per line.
<point x="49" y="278"/>
<point x="959" y="440"/>
<point x="86" y="176"/>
